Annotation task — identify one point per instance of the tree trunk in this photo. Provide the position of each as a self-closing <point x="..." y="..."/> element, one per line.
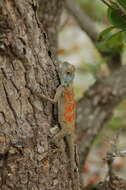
<point x="27" y="160"/>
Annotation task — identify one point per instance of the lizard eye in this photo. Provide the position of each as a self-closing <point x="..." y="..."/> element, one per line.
<point x="68" y="72"/>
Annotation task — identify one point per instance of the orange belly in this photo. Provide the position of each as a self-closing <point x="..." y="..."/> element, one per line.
<point x="69" y="112"/>
<point x="69" y="107"/>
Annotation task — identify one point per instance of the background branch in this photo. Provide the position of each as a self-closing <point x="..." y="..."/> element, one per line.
<point x="96" y="108"/>
<point x="92" y="30"/>
<point x="84" y="21"/>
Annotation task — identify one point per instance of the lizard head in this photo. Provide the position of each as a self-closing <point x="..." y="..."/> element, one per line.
<point x="66" y="74"/>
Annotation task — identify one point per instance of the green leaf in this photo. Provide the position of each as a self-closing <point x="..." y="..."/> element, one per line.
<point x="111" y="44"/>
<point x="105" y="33"/>
<point x="115" y="39"/>
<point x="122" y="3"/>
<point x="116" y="18"/>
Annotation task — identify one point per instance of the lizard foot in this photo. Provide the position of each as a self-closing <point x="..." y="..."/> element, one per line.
<point x="54" y="130"/>
<point x="54" y="141"/>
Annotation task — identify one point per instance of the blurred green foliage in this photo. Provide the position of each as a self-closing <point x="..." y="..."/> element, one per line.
<point x="94" y="8"/>
<point x="113" y="42"/>
<point x="119" y="117"/>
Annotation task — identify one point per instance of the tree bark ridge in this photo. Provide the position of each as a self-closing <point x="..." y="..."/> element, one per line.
<point x="27" y="160"/>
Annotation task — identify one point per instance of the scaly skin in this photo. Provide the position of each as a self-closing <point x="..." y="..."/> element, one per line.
<point x="66" y="109"/>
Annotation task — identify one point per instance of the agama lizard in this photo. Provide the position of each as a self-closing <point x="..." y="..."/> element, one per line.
<point x="66" y="108"/>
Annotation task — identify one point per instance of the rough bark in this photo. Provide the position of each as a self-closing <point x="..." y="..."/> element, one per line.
<point x="27" y="159"/>
<point x="49" y="15"/>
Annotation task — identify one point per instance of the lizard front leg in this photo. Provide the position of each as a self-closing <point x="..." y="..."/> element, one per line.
<point x="52" y="100"/>
<point x="57" y="96"/>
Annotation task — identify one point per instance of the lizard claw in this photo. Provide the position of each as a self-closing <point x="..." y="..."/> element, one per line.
<point x="54" y="141"/>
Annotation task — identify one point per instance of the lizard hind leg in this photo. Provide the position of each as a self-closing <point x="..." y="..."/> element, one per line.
<point x="61" y="134"/>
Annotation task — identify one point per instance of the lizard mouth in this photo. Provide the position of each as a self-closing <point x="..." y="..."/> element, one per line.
<point x="65" y="84"/>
